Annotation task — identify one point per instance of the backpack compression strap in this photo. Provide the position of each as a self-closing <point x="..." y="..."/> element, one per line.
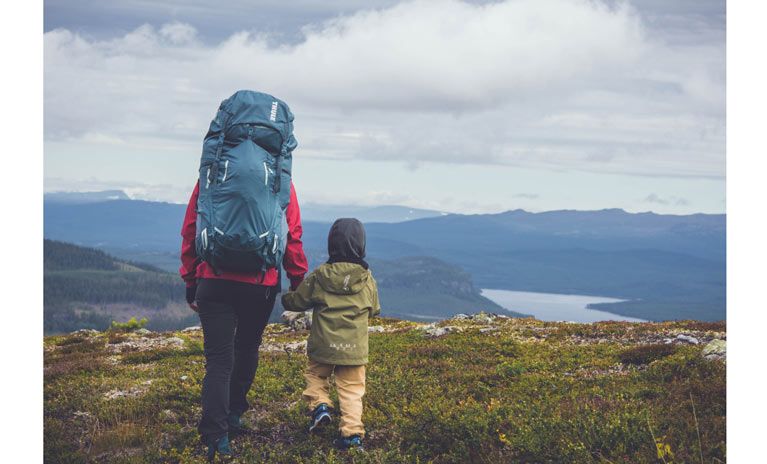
<point x="283" y="152"/>
<point x="220" y="146"/>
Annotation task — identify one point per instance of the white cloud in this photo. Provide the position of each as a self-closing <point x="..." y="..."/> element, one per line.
<point x="556" y="84"/>
<point x="135" y="190"/>
<point x="178" y="33"/>
<point x="672" y="200"/>
<point x="526" y="196"/>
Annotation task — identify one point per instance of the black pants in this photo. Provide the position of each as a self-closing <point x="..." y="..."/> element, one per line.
<point x="233" y="317"/>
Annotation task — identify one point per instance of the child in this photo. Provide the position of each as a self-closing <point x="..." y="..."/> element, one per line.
<point x="344" y="295"/>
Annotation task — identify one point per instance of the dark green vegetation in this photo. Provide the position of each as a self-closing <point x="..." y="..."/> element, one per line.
<point x="421" y="288"/>
<point x="670" y="267"/>
<point x="86" y="288"/>
<point x="503" y="390"/>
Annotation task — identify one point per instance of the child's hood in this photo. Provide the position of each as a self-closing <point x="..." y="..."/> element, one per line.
<point x="342" y="278"/>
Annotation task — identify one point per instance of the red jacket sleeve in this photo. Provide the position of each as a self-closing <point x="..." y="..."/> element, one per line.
<point x="294" y="262"/>
<point x="189" y="261"/>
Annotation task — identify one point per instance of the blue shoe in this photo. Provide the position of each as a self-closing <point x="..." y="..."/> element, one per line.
<point x="236" y="425"/>
<point x="220" y="446"/>
<point x="320" y="417"/>
<point x="349" y="443"/>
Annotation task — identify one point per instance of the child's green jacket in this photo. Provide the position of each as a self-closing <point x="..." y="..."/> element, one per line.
<point x="343" y="296"/>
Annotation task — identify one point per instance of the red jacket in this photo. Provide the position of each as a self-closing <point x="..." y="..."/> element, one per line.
<point x="294" y="261"/>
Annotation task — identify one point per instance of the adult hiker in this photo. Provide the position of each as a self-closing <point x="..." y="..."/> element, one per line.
<point x="242" y="223"/>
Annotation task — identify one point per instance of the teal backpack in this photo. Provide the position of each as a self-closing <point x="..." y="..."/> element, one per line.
<point x="245" y="175"/>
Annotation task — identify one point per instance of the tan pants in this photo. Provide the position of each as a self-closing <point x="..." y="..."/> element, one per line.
<point x="350" y="383"/>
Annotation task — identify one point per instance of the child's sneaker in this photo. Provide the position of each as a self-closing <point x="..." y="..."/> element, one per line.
<point x="320" y="417"/>
<point x="220" y="447"/>
<point x="350" y="443"/>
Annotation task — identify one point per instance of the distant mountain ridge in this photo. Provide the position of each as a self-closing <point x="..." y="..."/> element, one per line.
<point x="85" y="197"/>
<point x="669" y="266"/>
<point x="386" y="213"/>
<point x="309" y="211"/>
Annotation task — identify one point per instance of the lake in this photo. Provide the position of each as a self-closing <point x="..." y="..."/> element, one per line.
<point x="555" y="307"/>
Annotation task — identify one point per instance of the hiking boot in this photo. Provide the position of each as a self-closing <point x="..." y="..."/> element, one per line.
<point x="220" y="447"/>
<point x="236" y="426"/>
<point x="320" y="417"/>
<point x="349" y="443"/>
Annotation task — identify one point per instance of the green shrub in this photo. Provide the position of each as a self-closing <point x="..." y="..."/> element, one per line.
<point x="129" y="326"/>
<point x="645" y="354"/>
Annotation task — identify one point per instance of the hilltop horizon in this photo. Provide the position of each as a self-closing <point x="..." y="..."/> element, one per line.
<point x="92" y="196"/>
<point x="664" y="266"/>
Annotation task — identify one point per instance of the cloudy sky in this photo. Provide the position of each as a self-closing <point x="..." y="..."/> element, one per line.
<point x="444" y="104"/>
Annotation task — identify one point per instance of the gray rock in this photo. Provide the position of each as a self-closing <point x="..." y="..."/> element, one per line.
<point x="129" y="393"/>
<point x="85" y="332"/>
<point x="144" y="344"/>
<point x="174" y="341"/>
<point x="298" y="320"/>
<point x="440" y="331"/>
<point x="483" y="318"/>
<point x="169" y="415"/>
<point x="290" y="347"/>
<point x="296" y="346"/>
<point x="715" y="349"/>
<point x="687" y="339"/>
<point x="461" y="316"/>
<point x="376" y="329"/>
<point x="142" y="331"/>
<point x="193" y="328"/>
<point x="82" y="415"/>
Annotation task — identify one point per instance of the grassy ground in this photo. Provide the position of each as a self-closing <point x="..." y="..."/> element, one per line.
<point x="500" y="390"/>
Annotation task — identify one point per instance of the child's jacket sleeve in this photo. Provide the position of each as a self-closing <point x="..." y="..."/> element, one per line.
<point x="375" y="306"/>
<point x="301" y="298"/>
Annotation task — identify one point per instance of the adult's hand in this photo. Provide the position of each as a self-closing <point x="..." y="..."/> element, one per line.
<point x="191" y="293"/>
<point x="295" y="282"/>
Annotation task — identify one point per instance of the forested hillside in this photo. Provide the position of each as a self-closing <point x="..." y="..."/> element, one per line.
<point x="87" y="288"/>
<point x="424" y="288"/>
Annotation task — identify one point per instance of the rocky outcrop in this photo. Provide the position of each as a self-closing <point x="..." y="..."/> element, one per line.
<point x="687" y="339"/>
<point x="715" y="350"/>
<point x="146" y="343"/>
<point x="298" y="320"/>
<point x="287" y="347"/>
<point x="434" y="331"/>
